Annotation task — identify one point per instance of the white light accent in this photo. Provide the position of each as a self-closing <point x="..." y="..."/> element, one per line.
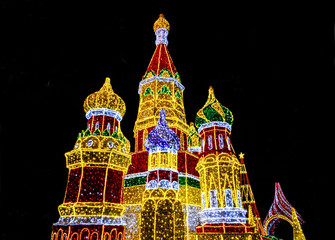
<point x="164" y="184"/>
<point x="213" y="198"/>
<point x="161" y="79"/>
<point x="203" y="200"/>
<point x="89" y="143"/>
<point x="133" y="175"/>
<point x="96" y="125"/>
<point x="210" y="142"/>
<point x="151" y="184"/>
<point x="103" y="111"/>
<point x="194" y="149"/>
<point x="159" y="149"/>
<point x="214" y="124"/>
<point x="229" y="197"/>
<point x="239" y="198"/>
<point x="109" y="126"/>
<point x="228" y="142"/>
<point x="221" y="141"/>
<point x="175" y="185"/>
<point x="96" y="220"/>
<point x="189" y="176"/>
<point x="161" y="36"/>
<point x="223" y="215"/>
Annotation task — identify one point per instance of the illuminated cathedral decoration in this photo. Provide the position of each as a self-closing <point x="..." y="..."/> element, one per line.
<point x="183" y="181"/>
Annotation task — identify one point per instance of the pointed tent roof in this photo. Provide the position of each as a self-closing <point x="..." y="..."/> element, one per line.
<point x="161" y="63"/>
<point x="248" y="199"/>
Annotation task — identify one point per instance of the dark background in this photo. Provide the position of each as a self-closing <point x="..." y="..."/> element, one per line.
<point x="271" y="65"/>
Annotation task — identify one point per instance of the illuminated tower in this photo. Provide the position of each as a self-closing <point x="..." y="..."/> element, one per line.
<point x="92" y="206"/>
<point x="162" y="215"/>
<point x="222" y="212"/>
<point x="159" y="88"/>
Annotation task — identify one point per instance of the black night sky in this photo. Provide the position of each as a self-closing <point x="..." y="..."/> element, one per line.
<point x="271" y="65"/>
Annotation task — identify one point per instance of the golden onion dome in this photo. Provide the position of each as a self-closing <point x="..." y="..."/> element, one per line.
<point x="161" y="22"/>
<point x="105" y="98"/>
<point x="213" y="111"/>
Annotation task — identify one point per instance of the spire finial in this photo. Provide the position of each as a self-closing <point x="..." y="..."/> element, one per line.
<point x="161" y="22"/>
<point x="161" y="28"/>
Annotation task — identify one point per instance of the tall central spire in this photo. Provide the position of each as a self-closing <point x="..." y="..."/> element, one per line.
<point x="161" y="63"/>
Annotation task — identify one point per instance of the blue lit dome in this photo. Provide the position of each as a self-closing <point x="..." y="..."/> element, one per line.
<point x="162" y="138"/>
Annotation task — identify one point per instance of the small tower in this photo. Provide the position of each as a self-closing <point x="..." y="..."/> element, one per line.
<point x="162" y="215"/>
<point x="247" y="196"/>
<point x="222" y="211"/>
<point x="93" y="202"/>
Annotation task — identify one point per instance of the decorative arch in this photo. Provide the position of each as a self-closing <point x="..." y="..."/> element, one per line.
<point x="59" y="234"/>
<point x="273" y="219"/>
<point x="95" y="236"/>
<point x="74" y="236"/>
<point x="281" y="209"/>
<point x="84" y="234"/>
<point x="113" y="234"/>
<point x="164" y="219"/>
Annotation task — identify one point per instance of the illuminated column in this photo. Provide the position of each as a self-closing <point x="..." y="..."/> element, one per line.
<point x="93" y="202"/>
<point x="162" y="215"/>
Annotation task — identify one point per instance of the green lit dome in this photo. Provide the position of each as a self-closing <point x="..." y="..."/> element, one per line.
<point x="213" y="111"/>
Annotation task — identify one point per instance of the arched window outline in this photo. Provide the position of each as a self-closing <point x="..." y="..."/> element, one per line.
<point x="228" y="142"/>
<point x="213" y="198"/>
<point x="229" y="197"/>
<point x="221" y="141"/>
<point x="210" y="142"/>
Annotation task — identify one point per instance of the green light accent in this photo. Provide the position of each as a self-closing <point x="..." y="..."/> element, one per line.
<point x="105" y="133"/>
<point x="165" y="70"/>
<point x="198" y="121"/>
<point x="211" y="114"/>
<point x="178" y="95"/>
<point x="135" y="181"/>
<point x="189" y="182"/>
<point x="228" y="115"/>
<point x="148" y="91"/>
<point x="87" y="133"/>
<point x="165" y="89"/>
<point x="272" y="237"/>
<point x="97" y="132"/>
<point x="151" y="71"/>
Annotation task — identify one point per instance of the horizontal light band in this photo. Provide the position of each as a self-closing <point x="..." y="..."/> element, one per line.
<point x="161" y="79"/>
<point x="223" y="215"/>
<point x="214" y="124"/>
<point x="104" y="111"/>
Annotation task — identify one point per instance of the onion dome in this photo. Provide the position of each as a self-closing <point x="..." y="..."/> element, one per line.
<point x="105" y="98"/>
<point x="213" y="111"/>
<point x="161" y="22"/>
<point x="162" y="138"/>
